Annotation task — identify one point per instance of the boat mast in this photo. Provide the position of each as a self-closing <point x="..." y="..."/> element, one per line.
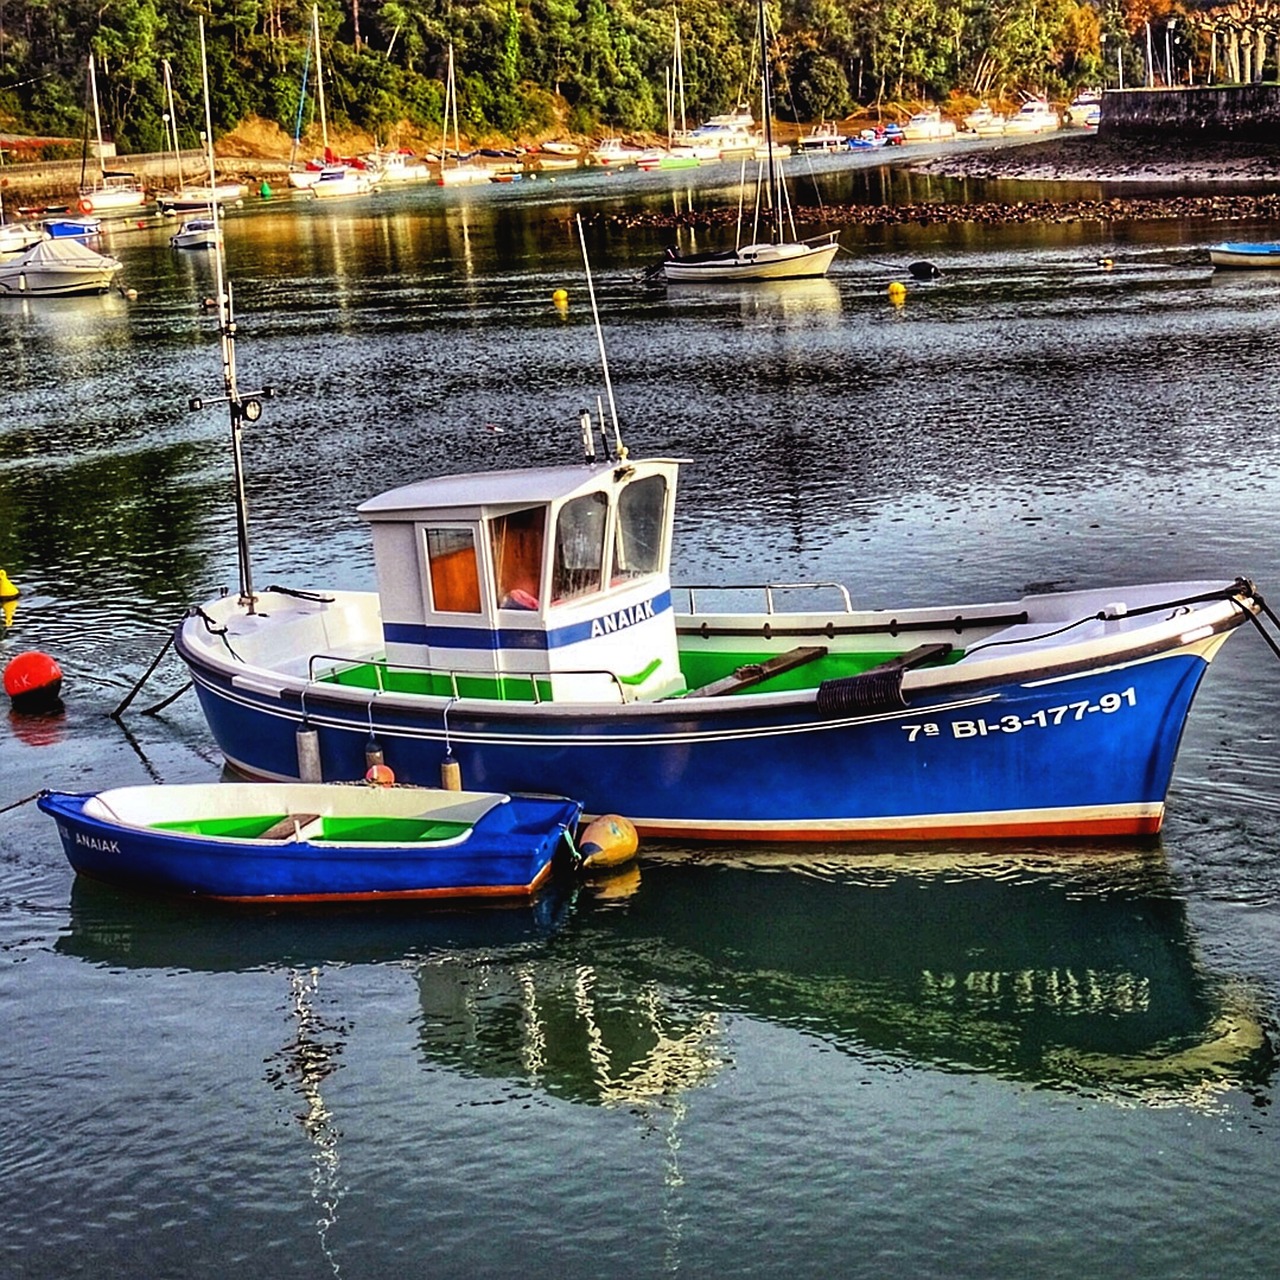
<point x="302" y="103"/>
<point x="173" y="120"/>
<point x="766" y="98"/>
<point x="679" y="73"/>
<point x="97" y="119"/>
<point x="243" y="407"/>
<point x="324" y="123"/>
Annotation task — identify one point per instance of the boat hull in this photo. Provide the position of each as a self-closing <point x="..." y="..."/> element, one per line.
<point x="1258" y="257"/>
<point x="1084" y="754"/>
<point x="57" y="282"/>
<point x="508" y="852"/>
<point x="762" y="262"/>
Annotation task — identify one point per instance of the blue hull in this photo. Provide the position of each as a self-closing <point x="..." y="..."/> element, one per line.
<point x="1087" y="754"/>
<point x="508" y="853"/>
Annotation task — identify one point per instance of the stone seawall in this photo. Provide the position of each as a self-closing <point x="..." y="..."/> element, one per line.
<point x="1239" y="113"/>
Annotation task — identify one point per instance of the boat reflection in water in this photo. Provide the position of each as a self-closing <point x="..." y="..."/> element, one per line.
<point x="1076" y="972"/>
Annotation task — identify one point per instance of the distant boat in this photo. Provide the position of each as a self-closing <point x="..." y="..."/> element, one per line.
<point x="314" y="842"/>
<point x="772" y="258"/>
<point x="196" y="233"/>
<point x="456" y="169"/>
<point x="823" y="137"/>
<point x="340" y="180"/>
<point x="72" y="228"/>
<point x="57" y="268"/>
<point x="16" y="236"/>
<point x="1035" y="116"/>
<point x="928" y="126"/>
<point x="111" y="192"/>
<point x="1264" y="255"/>
<point x="982" y="120"/>
<point x="1085" y="108"/>
<point x="189" y="199"/>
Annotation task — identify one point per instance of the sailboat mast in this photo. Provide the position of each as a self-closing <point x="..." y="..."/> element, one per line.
<point x="227" y="332"/>
<point x="324" y="123"/>
<point x="679" y="74"/>
<point x="766" y="99"/>
<point x="173" y="120"/>
<point x="451" y="99"/>
<point x="97" y="119"/>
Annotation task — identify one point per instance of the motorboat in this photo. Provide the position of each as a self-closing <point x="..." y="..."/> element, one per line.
<point x="825" y="136"/>
<point x="867" y="140"/>
<point x="340" y="180"/>
<point x="1034" y="116"/>
<point x="525" y="626"/>
<point x="399" y="166"/>
<point x="721" y="137"/>
<point x="67" y="228"/>
<point x="1085" y="109"/>
<point x="57" y="268"/>
<point x="984" y="121"/>
<point x="196" y="233"/>
<point x="928" y="126"/>
<point x="17" y="236"/>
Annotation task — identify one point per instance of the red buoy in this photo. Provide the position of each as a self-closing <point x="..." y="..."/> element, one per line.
<point x="33" y="681"/>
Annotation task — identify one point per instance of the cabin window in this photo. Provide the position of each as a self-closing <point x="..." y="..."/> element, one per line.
<point x="637" y="543"/>
<point x="516" y="540"/>
<point x="455" y="575"/>
<point x="579" y="562"/>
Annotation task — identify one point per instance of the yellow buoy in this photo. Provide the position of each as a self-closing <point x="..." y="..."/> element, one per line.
<point x="8" y="599"/>
<point x="560" y="297"/>
<point x="1106" y="263"/>
<point x="897" y="291"/>
<point x="607" y="841"/>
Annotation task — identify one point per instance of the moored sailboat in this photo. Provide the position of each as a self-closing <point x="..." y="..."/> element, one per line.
<point x="111" y="191"/>
<point x="777" y="257"/>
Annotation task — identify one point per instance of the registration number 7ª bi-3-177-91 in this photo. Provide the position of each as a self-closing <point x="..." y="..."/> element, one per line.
<point x="1045" y="718"/>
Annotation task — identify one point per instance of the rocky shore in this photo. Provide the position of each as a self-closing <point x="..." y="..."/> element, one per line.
<point x="1087" y="157"/>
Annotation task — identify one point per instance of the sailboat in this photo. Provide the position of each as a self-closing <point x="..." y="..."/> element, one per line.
<point x="327" y="177"/>
<point x="776" y="258"/>
<point x="111" y="192"/>
<point x="455" y="168"/>
<point x="190" y="199"/>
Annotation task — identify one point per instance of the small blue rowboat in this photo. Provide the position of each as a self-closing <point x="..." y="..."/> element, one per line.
<point x="314" y="842"/>
<point x="1265" y="255"/>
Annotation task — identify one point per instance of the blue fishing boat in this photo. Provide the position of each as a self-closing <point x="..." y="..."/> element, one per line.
<point x="525" y="627"/>
<point x="246" y="842"/>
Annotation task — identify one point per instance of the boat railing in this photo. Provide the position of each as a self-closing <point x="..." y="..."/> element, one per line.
<point x="337" y="663"/>
<point x="768" y="590"/>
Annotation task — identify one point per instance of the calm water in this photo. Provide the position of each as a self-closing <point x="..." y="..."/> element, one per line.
<point x="929" y="1061"/>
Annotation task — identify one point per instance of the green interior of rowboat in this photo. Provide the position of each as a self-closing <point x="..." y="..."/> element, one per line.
<point x="356" y="829"/>
<point x="699" y="669"/>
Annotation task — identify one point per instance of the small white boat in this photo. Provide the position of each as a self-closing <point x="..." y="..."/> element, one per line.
<point x="340" y="180"/>
<point x="57" y="268"/>
<point x="17" y="236"/>
<point x="984" y="121"/>
<point x="614" y="153"/>
<point x="824" y="137"/>
<point x="196" y="233"/>
<point x="1264" y="255"/>
<point x="555" y="148"/>
<point x="928" y="126"/>
<point x="720" y="138"/>
<point x="1035" y="116"/>
<point x="398" y="166"/>
<point x="193" y="199"/>
<point x="1085" y="109"/>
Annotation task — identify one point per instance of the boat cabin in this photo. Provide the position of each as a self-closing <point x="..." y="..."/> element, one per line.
<point x="541" y="584"/>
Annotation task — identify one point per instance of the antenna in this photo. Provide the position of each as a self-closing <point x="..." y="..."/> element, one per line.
<point x="242" y="409"/>
<point x="595" y="316"/>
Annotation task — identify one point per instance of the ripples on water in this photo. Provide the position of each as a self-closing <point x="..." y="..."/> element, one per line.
<point x="935" y="1060"/>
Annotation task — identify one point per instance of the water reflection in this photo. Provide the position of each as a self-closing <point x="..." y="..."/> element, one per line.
<point x="1074" y="972"/>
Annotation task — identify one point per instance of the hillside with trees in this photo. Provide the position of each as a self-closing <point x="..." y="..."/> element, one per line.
<point x="527" y="67"/>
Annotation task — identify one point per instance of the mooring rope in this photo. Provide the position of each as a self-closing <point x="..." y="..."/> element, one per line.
<point x="35" y="795"/>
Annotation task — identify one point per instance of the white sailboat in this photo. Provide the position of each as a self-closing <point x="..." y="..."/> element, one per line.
<point x="190" y="199"/>
<point x="774" y="258"/>
<point x="455" y="168"/>
<point x="326" y="177"/>
<point x="111" y="192"/>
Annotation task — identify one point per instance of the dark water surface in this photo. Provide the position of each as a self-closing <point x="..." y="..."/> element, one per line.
<point x="933" y="1061"/>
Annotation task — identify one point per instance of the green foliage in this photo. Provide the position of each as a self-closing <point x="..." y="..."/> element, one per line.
<point x="524" y="65"/>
